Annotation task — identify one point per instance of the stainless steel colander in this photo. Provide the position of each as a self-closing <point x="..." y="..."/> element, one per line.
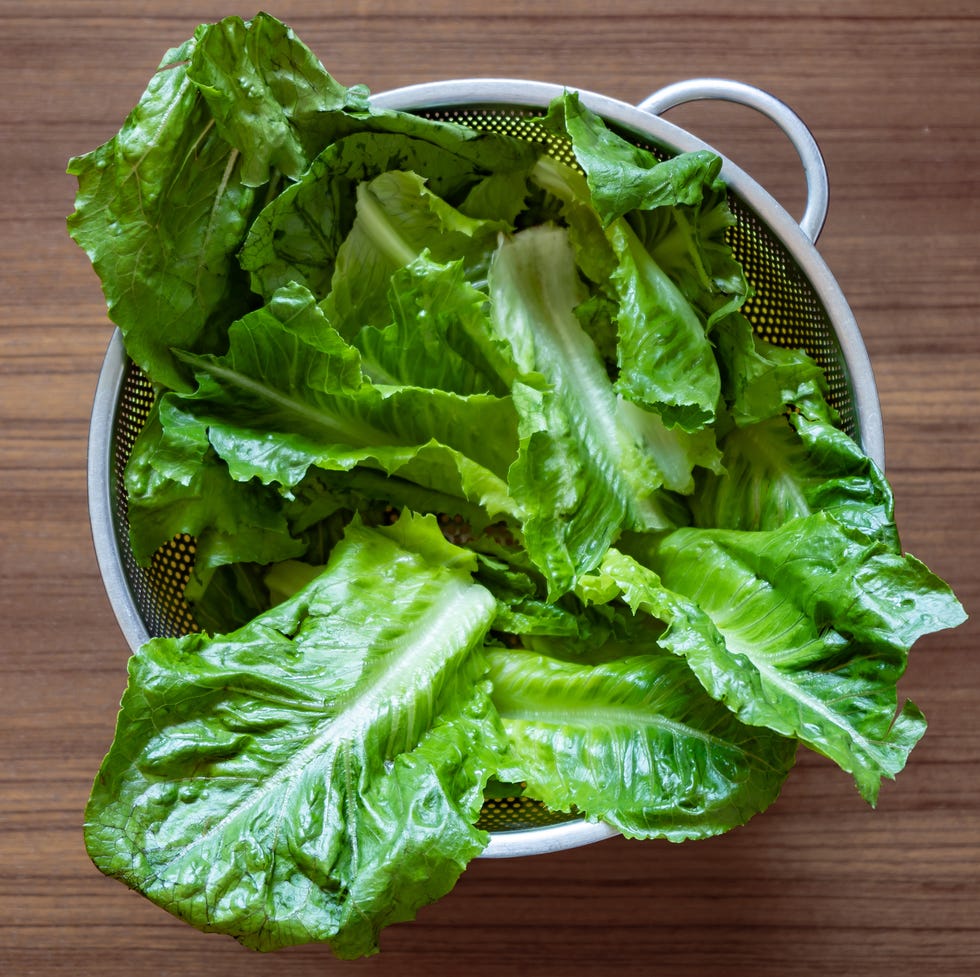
<point x="796" y="302"/>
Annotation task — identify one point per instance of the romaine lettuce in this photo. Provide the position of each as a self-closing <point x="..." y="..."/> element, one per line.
<point x="316" y="774"/>
<point x="489" y="479"/>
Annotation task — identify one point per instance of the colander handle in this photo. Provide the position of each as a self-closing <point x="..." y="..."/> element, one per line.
<point x="723" y="89"/>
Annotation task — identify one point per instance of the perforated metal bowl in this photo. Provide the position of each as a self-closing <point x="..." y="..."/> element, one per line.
<point x="796" y="302"/>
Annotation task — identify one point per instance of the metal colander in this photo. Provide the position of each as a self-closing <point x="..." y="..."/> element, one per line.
<point x="796" y="302"/>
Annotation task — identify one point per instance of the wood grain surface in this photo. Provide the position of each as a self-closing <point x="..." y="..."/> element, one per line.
<point x="820" y="884"/>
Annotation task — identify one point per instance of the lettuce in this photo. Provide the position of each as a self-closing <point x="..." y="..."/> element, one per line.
<point x="490" y="481"/>
<point x="633" y="740"/>
<point x="323" y="758"/>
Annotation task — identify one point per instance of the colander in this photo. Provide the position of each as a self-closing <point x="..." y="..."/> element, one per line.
<point x="796" y="302"/>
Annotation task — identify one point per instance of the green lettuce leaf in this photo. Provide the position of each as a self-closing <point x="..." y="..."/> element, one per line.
<point x="760" y="380"/>
<point x="664" y="359"/>
<point x="438" y="334"/>
<point x="689" y="242"/>
<point x="590" y="463"/>
<point x="234" y="594"/>
<point x="163" y="207"/>
<point x="784" y="456"/>
<point x="269" y="96"/>
<point x="275" y="404"/>
<point x="633" y="741"/>
<point x="804" y="629"/>
<point x="786" y="468"/>
<point x="315" y="775"/>
<point x="397" y="219"/>
<point x="404" y="289"/>
<point x="623" y="177"/>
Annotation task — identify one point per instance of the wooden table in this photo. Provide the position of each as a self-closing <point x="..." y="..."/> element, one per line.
<point x="820" y="884"/>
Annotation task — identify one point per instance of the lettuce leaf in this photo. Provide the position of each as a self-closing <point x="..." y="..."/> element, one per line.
<point x="633" y="741"/>
<point x="163" y="207"/>
<point x="590" y="463"/>
<point x="790" y="467"/>
<point x="276" y="404"/>
<point x="317" y="774"/>
<point x="783" y="456"/>
<point x="404" y="289"/>
<point x="624" y="177"/>
<point x="804" y="629"/>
